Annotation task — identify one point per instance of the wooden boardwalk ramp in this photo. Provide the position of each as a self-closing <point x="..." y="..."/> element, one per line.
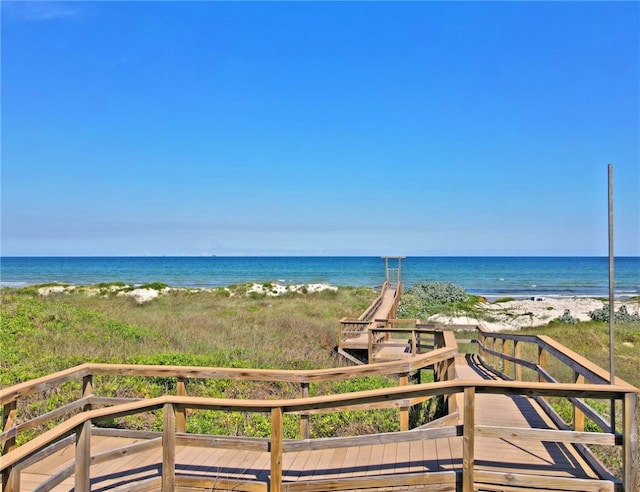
<point x="357" y="338"/>
<point x="494" y="437"/>
<point x="494" y="430"/>
<point x="504" y="458"/>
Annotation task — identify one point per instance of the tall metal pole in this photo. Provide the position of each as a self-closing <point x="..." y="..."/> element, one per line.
<point x="612" y="313"/>
<point x="611" y="279"/>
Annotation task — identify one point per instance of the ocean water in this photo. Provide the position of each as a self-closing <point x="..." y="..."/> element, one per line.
<point x="489" y="276"/>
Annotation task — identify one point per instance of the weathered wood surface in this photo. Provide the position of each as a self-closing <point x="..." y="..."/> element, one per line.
<point x="428" y="459"/>
<point x="383" y="306"/>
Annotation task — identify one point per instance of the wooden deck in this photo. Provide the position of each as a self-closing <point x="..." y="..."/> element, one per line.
<point x="433" y="464"/>
<point x="495" y="432"/>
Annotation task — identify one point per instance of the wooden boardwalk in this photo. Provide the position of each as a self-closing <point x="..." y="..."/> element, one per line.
<point x="384" y="307"/>
<point x="495" y="432"/>
<point x="440" y="458"/>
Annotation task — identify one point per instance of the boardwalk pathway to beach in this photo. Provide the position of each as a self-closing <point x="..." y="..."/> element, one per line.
<point x="420" y="463"/>
<point x="495" y="431"/>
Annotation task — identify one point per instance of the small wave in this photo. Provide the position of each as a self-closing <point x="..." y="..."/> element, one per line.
<point x="13" y="285"/>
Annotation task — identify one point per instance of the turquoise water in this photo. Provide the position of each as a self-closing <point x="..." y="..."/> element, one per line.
<point x="490" y="276"/>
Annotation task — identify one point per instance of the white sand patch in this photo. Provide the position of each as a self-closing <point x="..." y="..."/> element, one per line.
<point x="55" y="289"/>
<point x="275" y="289"/>
<point x="517" y="314"/>
<point x="141" y="295"/>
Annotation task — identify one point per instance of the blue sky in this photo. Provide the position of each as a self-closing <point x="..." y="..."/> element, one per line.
<point x="319" y="128"/>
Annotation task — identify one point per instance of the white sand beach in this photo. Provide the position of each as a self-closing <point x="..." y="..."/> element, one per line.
<point x="517" y="314"/>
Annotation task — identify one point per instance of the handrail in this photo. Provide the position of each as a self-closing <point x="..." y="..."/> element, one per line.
<point x="339" y="402"/>
<point x="272" y="375"/>
<point x="568" y="357"/>
<point x="366" y="315"/>
<point x="9" y="396"/>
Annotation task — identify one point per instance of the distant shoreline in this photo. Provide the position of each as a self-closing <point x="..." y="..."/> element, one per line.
<point x="491" y="277"/>
<point x="490" y="297"/>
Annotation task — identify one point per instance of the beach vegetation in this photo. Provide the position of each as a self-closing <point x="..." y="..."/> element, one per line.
<point x="622" y="315"/>
<point x="430" y="298"/>
<point x="106" y="285"/>
<point x="41" y="335"/>
<point x="501" y="300"/>
<point x="154" y="286"/>
<point x="567" y="318"/>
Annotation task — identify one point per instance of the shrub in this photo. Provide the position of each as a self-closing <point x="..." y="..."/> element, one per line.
<point x="567" y="318"/>
<point x="621" y="315"/>
<point x="154" y="286"/>
<point x="438" y="292"/>
<point x="428" y="298"/>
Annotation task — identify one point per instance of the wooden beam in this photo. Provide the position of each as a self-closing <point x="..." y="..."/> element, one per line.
<point x="8" y="422"/>
<point x="275" y="481"/>
<point x="373" y="439"/>
<point x="468" y="439"/>
<point x="542" y="362"/>
<point x="87" y="390"/>
<point x="168" y="449"/>
<point x="630" y="451"/>
<point x="578" y="414"/>
<point x="83" y="457"/>
<point x="546" y="435"/>
<point x="218" y="483"/>
<point x="181" y="412"/>
<point x="533" y="483"/>
<point x="440" y="481"/>
<point x="42" y="384"/>
<point x="403" y="380"/>
<point x="304" y="418"/>
<point x="517" y="354"/>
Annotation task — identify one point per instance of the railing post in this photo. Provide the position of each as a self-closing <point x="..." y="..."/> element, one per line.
<point x="506" y="365"/>
<point x="304" y="418"/>
<point x="404" y="411"/>
<point x="275" y="482"/>
<point x="630" y="452"/>
<point x="542" y="362"/>
<point x="494" y="342"/>
<point x="483" y="340"/>
<point x="83" y="458"/>
<point x="468" y="439"/>
<point x="14" y="482"/>
<point x="370" y="351"/>
<point x="578" y="415"/>
<point x="168" y="448"/>
<point x="452" y="405"/>
<point x="181" y="412"/>
<point x="517" y="353"/>
<point x="8" y="421"/>
<point x="87" y="390"/>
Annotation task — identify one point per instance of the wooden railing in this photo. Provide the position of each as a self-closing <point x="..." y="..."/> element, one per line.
<point x="368" y="313"/>
<point x="88" y="400"/>
<point x="78" y="429"/>
<point x="390" y="333"/>
<point x="504" y="353"/>
<point x="352" y="327"/>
